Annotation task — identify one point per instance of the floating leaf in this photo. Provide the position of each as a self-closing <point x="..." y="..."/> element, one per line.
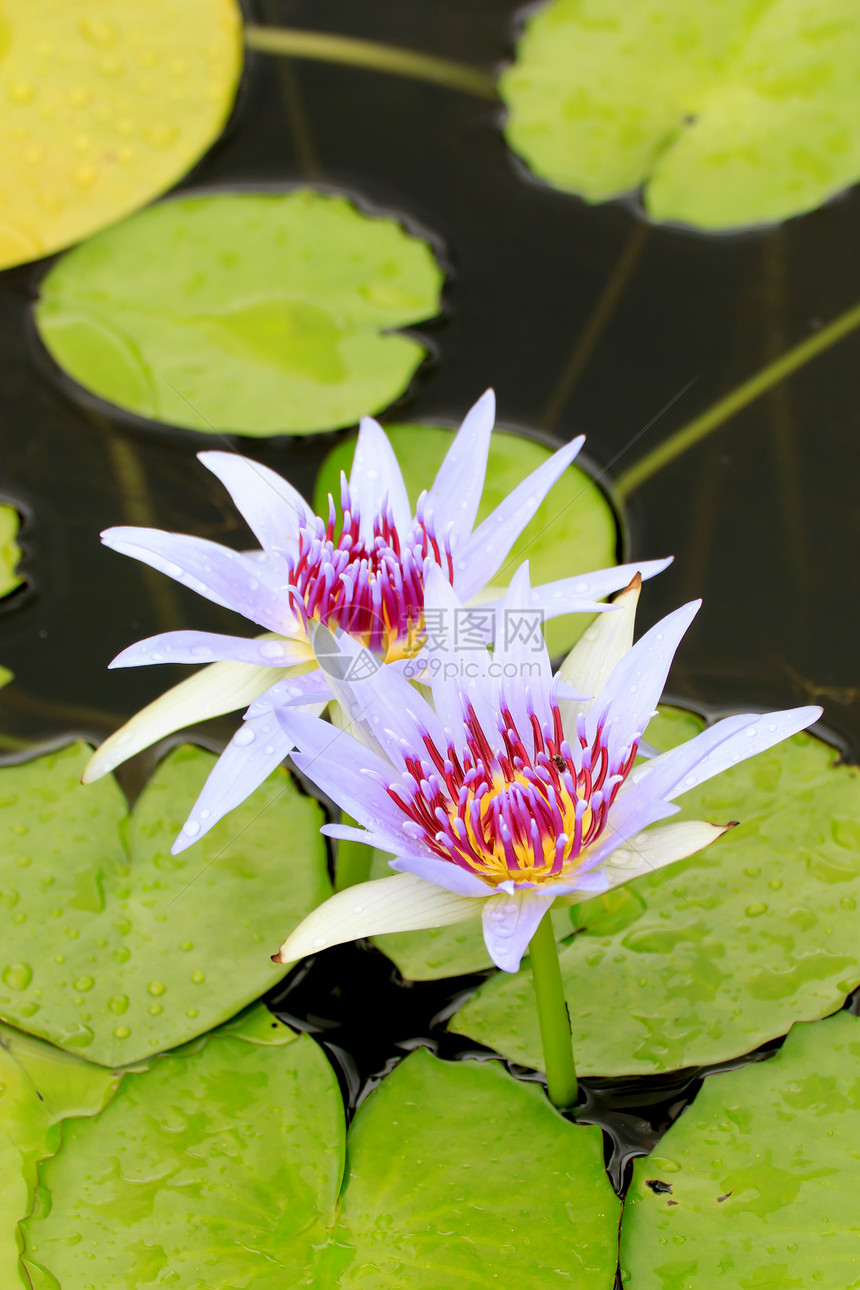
<point x="731" y="114"/>
<point x="759" y="1176"/>
<point x="10" y="552"/>
<point x="39" y="1087"/>
<point x="210" y="1169"/>
<point x="104" y="107"/>
<point x="711" y="957"/>
<point x="478" y="1180"/>
<point x="221" y="1167"/>
<point x="113" y="946"/>
<point x="573" y="531"/>
<point x="248" y="312"/>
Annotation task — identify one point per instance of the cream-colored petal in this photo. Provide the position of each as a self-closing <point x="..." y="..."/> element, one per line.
<point x="214" y="690"/>
<point x="401" y="903"/>
<point x="652" y="850"/>
<point x="596" y="653"/>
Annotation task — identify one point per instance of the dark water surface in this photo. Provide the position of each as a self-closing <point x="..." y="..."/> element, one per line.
<point x="761" y="515"/>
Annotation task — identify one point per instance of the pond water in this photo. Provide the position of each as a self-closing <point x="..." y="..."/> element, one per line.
<point x="585" y="319"/>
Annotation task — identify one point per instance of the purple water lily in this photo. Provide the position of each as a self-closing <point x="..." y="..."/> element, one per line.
<point x="507" y="790"/>
<point x="363" y="572"/>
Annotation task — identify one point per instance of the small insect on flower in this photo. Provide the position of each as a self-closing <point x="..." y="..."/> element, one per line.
<point x="501" y="796"/>
<point x="362" y="570"/>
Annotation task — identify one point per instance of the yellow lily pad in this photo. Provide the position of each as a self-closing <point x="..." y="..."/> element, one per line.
<point x="105" y="104"/>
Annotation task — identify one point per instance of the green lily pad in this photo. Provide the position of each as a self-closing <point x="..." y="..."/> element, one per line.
<point x="39" y="1087"/>
<point x="206" y="1170"/>
<point x="443" y="951"/>
<point x="115" y="948"/>
<point x="222" y="1166"/>
<point x="10" y="552"/>
<point x="105" y="107"/>
<point x="573" y="531"/>
<point x="708" y="959"/>
<point x="763" y="1170"/>
<point x="459" y="1176"/>
<point x="730" y="114"/>
<point x="248" y="312"/>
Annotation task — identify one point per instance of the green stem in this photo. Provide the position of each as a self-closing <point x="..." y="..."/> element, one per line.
<point x="553" y="1016"/>
<point x="738" y="398"/>
<point x="376" y="57"/>
<point x="352" y="861"/>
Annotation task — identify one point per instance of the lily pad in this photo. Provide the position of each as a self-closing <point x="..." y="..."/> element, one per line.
<point x="113" y="947"/>
<point x="573" y="531"/>
<point x="443" y="951"/>
<point x="10" y="552"/>
<point x="723" y="951"/>
<point x="39" y="1087"/>
<point x="459" y="1176"/>
<point x="760" y="1176"/>
<point x="206" y="1170"/>
<point x="104" y="107"/>
<point x="258" y="313"/>
<point x="730" y="114"/>
<point x="222" y="1166"/>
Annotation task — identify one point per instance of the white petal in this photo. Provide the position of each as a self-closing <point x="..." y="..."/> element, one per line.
<point x="219" y="688"/>
<point x="626" y="703"/>
<point x="455" y="494"/>
<point x="510" y="922"/>
<point x="402" y="903"/>
<point x="375" y="476"/>
<point x="588" y="665"/>
<point x="272" y="508"/>
<point x="657" y="847"/>
<point x="520" y="655"/>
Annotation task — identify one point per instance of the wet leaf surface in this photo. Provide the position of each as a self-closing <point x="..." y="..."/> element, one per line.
<point x="114" y="948"/>
<point x="221" y="1167"/>
<point x="707" y="960"/>
<point x="39" y="1087"/>
<point x="211" y="1169"/>
<point x="247" y="312"/>
<point x="573" y="531"/>
<point x="10" y="552"/>
<point x="731" y="114"/>
<point x="755" y="1184"/>
<point x="105" y="107"/>
<point x="460" y="1176"/>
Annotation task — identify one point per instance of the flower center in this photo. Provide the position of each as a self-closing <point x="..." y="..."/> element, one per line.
<point x="513" y="812"/>
<point x="370" y="585"/>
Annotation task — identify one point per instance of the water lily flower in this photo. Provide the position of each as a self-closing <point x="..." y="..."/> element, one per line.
<point x="507" y="790"/>
<point x="364" y="573"/>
